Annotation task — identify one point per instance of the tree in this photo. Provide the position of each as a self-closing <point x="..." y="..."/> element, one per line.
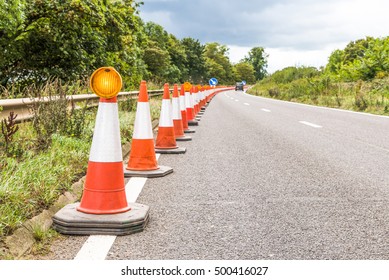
<point x="258" y="59"/>
<point x="218" y="62"/>
<point x="179" y="60"/>
<point x="11" y="19"/>
<point x="69" y="39"/>
<point x="364" y="59"/>
<point x="244" y="71"/>
<point x="197" y="72"/>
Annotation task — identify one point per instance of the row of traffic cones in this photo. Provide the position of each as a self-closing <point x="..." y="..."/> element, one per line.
<point x="104" y="208"/>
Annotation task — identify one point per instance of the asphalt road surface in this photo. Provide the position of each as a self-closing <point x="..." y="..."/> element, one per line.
<point x="266" y="179"/>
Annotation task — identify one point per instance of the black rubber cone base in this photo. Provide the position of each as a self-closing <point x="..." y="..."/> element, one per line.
<point x="70" y="221"/>
<point x="177" y="150"/>
<point x="189" y="130"/>
<point x="184" y="138"/>
<point x="193" y="123"/>
<point x="161" y="172"/>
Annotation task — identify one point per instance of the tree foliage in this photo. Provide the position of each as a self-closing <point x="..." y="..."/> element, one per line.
<point x="218" y="63"/>
<point x="245" y="71"/>
<point x="42" y="40"/>
<point x="258" y="59"/>
<point x="364" y="59"/>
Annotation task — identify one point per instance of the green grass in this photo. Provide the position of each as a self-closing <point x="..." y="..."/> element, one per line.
<point x="370" y="97"/>
<point x="32" y="185"/>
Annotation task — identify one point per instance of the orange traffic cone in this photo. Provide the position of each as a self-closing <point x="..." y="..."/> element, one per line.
<point x="103" y="208"/>
<point x="104" y="184"/>
<point x="197" y="100"/>
<point x="189" y="104"/>
<point x="177" y="118"/>
<point x="183" y="111"/>
<point x="166" y="140"/>
<point x="142" y="161"/>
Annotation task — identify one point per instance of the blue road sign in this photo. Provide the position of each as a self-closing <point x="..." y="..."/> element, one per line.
<point x="213" y="82"/>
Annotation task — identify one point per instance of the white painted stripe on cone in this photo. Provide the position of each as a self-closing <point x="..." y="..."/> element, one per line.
<point x="188" y="99"/>
<point x="192" y="100"/>
<point x="176" y="108"/>
<point x="196" y="98"/>
<point x="182" y="103"/>
<point x="106" y="145"/>
<point x="142" y="126"/>
<point x="165" y="119"/>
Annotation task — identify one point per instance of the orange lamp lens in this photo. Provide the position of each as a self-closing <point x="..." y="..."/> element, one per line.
<point x="187" y="86"/>
<point x="106" y="82"/>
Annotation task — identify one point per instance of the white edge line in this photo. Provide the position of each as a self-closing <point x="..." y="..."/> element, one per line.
<point x="320" y="107"/>
<point x="96" y="247"/>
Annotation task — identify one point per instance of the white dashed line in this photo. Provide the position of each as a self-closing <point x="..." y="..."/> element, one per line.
<point x="266" y="110"/>
<point x="311" y="124"/>
<point x="246" y="104"/>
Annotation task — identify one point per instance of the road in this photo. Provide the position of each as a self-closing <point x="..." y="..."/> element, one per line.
<point x="266" y="179"/>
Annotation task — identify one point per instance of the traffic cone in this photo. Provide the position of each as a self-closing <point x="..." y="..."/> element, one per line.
<point x="142" y="161"/>
<point x="183" y="111"/>
<point x="177" y="118"/>
<point x="189" y="104"/>
<point x="103" y="208"/>
<point x="104" y="184"/>
<point x="166" y="140"/>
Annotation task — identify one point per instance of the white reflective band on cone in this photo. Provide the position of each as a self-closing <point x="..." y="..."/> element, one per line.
<point x="188" y="100"/>
<point x="142" y="126"/>
<point x="182" y="103"/>
<point x="106" y="144"/>
<point x="165" y="119"/>
<point x="176" y="108"/>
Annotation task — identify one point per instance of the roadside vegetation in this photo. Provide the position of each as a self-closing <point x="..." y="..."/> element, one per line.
<point x="68" y="40"/>
<point x="41" y="159"/>
<point x="356" y="78"/>
<point x="50" y="47"/>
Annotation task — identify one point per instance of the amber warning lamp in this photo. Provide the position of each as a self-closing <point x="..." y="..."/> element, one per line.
<point x="106" y="82"/>
<point x="187" y="86"/>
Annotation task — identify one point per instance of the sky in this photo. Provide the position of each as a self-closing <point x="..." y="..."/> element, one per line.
<point x="292" y="32"/>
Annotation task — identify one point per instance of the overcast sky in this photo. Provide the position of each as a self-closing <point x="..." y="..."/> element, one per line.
<point x="293" y="32"/>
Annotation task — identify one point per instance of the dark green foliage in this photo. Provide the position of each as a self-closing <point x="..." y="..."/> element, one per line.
<point x="68" y="40"/>
<point x="355" y="78"/>
<point x="364" y="59"/>
<point x="258" y="59"/>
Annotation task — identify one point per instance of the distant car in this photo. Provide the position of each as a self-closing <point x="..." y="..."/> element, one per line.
<point x="239" y="86"/>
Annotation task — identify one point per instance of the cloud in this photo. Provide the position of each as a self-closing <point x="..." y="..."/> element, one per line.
<point x="288" y="25"/>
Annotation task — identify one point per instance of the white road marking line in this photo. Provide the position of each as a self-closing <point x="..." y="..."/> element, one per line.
<point x="266" y="110"/>
<point x="97" y="247"/>
<point x="246" y="104"/>
<point x="134" y="188"/>
<point x="319" y="107"/>
<point x="310" y="124"/>
<point x="236" y="100"/>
